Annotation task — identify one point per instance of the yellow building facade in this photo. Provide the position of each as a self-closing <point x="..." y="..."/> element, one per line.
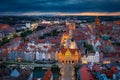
<point x="69" y="55"/>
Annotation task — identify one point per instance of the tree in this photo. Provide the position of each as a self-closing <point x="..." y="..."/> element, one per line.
<point x="26" y="33"/>
<point x="88" y="47"/>
<point x="5" y="40"/>
<point x="41" y="37"/>
<point x="1" y="43"/>
<point x="15" y="35"/>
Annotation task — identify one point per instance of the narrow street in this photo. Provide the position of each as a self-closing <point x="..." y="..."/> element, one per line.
<point x="67" y="72"/>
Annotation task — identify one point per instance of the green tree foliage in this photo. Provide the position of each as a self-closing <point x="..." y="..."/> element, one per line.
<point x="26" y="33"/>
<point x="88" y="47"/>
<point x="116" y="43"/>
<point x="41" y="37"/>
<point x="5" y="40"/>
<point x="15" y="35"/>
<point x="55" y="68"/>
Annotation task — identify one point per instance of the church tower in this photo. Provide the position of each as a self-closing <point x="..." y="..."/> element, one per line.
<point x="72" y="44"/>
<point x="97" y="21"/>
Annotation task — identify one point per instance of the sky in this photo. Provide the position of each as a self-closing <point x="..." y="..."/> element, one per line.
<point x="59" y="7"/>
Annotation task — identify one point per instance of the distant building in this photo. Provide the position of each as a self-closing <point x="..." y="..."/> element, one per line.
<point x="91" y="57"/>
<point x="84" y="60"/>
<point x="39" y="51"/>
<point x="12" y="55"/>
<point x="97" y="21"/>
<point x="45" y="22"/>
<point x="15" y="73"/>
<point x="28" y="25"/>
<point x="6" y="30"/>
<point x="97" y="57"/>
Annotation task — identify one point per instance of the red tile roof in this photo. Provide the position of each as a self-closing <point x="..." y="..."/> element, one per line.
<point x="96" y="68"/>
<point x="117" y="48"/>
<point x="45" y="46"/>
<point x="47" y="75"/>
<point x="85" y="74"/>
<point x="115" y="54"/>
<point x="4" y="26"/>
<point x="4" y="54"/>
<point x="100" y="27"/>
<point x="117" y="22"/>
<point x="114" y="69"/>
<point x="41" y="41"/>
<point x="108" y="27"/>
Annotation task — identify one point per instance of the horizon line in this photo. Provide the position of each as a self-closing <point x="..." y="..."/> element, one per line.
<point x="61" y="14"/>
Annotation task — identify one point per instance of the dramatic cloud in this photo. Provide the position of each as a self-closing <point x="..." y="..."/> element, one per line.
<point x="61" y="6"/>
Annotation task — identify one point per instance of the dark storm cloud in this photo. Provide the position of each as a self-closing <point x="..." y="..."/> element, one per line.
<point x="21" y="6"/>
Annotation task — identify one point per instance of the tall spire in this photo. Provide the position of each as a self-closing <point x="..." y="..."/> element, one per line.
<point x="97" y="21"/>
<point x="72" y="44"/>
